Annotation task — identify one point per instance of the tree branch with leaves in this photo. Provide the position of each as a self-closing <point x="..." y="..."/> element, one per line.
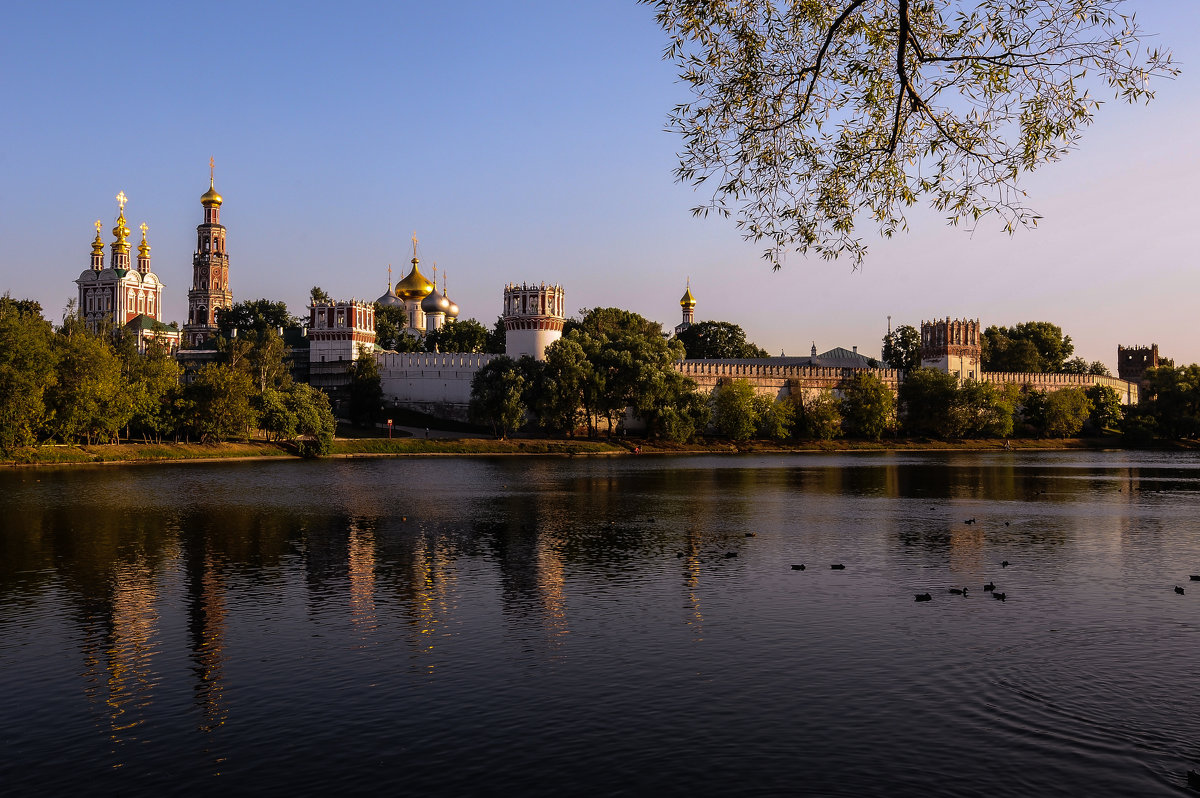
<point x="812" y="118"/>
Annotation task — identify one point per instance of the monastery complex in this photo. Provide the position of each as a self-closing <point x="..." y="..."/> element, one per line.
<point x="339" y="331"/>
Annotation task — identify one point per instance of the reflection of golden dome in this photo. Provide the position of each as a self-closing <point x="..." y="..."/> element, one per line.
<point x="211" y="197"/>
<point x="688" y="300"/>
<point x="414" y="286"/>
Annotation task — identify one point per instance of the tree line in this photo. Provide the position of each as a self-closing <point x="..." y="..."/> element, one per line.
<point x="612" y="362"/>
<point x="1031" y="347"/>
<point x="70" y="385"/>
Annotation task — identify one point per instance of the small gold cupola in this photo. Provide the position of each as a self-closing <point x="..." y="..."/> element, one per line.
<point x="688" y="301"/>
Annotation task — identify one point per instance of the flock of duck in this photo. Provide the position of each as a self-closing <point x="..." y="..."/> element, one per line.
<point x="990" y="587"/>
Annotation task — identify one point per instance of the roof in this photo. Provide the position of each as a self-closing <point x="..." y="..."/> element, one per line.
<point x="143" y="322"/>
<point x="839" y="357"/>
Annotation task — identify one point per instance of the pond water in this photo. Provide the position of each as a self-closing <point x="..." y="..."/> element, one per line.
<point x="543" y="626"/>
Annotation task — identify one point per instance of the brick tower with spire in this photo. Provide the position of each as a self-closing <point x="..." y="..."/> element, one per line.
<point x="210" y="271"/>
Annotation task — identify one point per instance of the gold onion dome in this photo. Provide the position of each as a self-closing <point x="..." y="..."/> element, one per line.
<point x="211" y="197"/>
<point x="688" y="300"/>
<point x="98" y="243"/>
<point x="414" y="286"/>
<point x="144" y="247"/>
<point x="121" y="231"/>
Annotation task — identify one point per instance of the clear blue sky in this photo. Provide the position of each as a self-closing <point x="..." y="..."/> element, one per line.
<point x="524" y="141"/>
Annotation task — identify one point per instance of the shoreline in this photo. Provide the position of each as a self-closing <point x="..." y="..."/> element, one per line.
<point x="360" y="448"/>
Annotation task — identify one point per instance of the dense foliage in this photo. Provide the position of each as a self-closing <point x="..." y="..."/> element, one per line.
<point x="902" y="348"/>
<point x="812" y="117"/>
<point x="72" y="385"/>
<point x="715" y="340"/>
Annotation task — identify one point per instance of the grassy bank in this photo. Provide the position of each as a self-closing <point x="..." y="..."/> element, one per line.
<point x="383" y="447"/>
<point x="143" y="452"/>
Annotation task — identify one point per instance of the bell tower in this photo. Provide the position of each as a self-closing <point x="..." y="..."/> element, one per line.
<point x="210" y="271"/>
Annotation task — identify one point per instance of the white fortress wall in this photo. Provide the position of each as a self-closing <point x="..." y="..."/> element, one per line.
<point x="438" y="384"/>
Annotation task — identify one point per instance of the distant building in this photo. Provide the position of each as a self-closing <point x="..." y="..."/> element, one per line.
<point x="1133" y="362"/>
<point x="688" y="303"/>
<point x="533" y="318"/>
<point x="210" y="272"/>
<point x="426" y="308"/>
<point x="120" y="295"/>
<point x="953" y="346"/>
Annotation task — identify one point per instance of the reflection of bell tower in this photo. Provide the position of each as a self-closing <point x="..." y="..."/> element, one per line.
<point x="210" y="271"/>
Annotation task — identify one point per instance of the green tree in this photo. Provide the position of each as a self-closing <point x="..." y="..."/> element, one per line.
<point x="775" y="419"/>
<point x="982" y="410"/>
<point x="219" y="399"/>
<point x="733" y="410"/>
<point x="868" y="406"/>
<point x="559" y="399"/>
<point x="315" y="424"/>
<point x="818" y="415"/>
<point x="458" y="335"/>
<point x="89" y="397"/>
<point x="629" y="357"/>
<point x="902" y="348"/>
<point x="1106" y="407"/>
<point x="717" y="340"/>
<point x="258" y="315"/>
<point x="498" y="396"/>
<point x="1172" y="400"/>
<point x="1029" y="347"/>
<point x="366" y="389"/>
<point x="153" y="380"/>
<point x="1065" y="412"/>
<point x="275" y="417"/>
<point x="318" y="295"/>
<point x="927" y="400"/>
<point x="497" y="340"/>
<point x="27" y="371"/>
<point x="809" y="117"/>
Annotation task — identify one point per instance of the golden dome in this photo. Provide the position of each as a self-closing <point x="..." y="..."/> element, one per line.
<point x="688" y="300"/>
<point x="144" y="247"/>
<point x="98" y="243"/>
<point x="211" y="197"/>
<point x="414" y="286"/>
<point x="121" y="231"/>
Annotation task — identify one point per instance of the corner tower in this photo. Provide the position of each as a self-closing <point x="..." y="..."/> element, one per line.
<point x="533" y="319"/>
<point x="953" y="346"/>
<point x="210" y="271"/>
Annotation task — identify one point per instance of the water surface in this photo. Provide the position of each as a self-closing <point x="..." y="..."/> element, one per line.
<point x="536" y="626"/>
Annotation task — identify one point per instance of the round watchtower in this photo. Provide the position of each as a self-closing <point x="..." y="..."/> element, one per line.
<point x="533" y="318"/>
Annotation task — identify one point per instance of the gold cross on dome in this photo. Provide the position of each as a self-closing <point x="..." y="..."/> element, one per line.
<point x="211" y="167"/>
<point x="98" y="226"/>
<point x="143" y="229"/>
<point x="122" y="199"/>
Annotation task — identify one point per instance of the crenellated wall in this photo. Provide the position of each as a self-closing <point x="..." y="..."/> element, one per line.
<point x="429" y="382"/>
<point x="777" y="381"/>
<point x="1128" y="391"/>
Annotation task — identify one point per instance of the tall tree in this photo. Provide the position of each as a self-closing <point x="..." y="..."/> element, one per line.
<point x="733" y="410"/>
<point x="498" y="396"/>
<point x="1031" y="346"/>
<point x="868" y="406"/>
<point x="927" y="400"/>
<point x="90" y="398"/>
<point x="458" y="335"/>
<point x="27" y="361"/>
<point x="902" y="348"/>
<point x="255" y="314"/>
<point x="810" y="117"/>
<point x="716" y="340"/>
<point x="366" y="389"/>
